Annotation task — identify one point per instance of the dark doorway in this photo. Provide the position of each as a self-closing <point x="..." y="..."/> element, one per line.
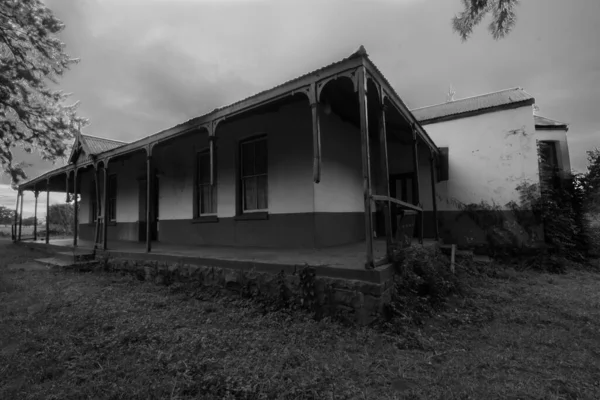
<point x="401" y="188"/>
<point x="153" y="213"/>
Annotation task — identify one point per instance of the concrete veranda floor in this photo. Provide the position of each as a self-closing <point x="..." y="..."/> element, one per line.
<point x="347" y="262"/>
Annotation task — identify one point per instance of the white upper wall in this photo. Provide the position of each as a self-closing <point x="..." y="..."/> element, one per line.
<point x="290" y="181"/>
<point x="489" y="155"/>
<point x="129" y="174"/>
<point x="341" y="186"/>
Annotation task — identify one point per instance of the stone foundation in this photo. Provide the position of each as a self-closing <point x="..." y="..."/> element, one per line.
<point x="360" y="300"/>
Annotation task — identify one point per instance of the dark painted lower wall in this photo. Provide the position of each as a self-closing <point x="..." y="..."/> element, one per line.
<point x="307" y="230"/>
<point x="119" y="231"/>
<point x="334" y="229"/>
<point x="456" y="227"/>
<point x="313" y="230"/>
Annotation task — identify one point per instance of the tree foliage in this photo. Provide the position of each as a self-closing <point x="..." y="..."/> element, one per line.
<point x="7" y="216"/>
<point x="60" y="217"/>
<point x="33" y="114"/>
<point x="503" y="14"/>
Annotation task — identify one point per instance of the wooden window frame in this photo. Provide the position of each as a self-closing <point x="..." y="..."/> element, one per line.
<point x="198" y="214"/>
<point x="258" y="213"/>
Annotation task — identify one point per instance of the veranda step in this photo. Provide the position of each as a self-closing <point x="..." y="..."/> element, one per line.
<point x="77" y="256"/>
<point x="54" y="262"/>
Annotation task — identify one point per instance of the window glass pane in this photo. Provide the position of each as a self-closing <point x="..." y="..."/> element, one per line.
<point x="261" y="161"/>
<point x="206" y="199"/>
<point x="247" y="159"/>
<point x="112" y="209"/>
<point x="262" y="191"/>
<point x="213" y="191"/>
<point x="199" y="200"/>
<point x="249" y="193"/>
<point x="112" y="186"/>
<point x="204" y="168"/>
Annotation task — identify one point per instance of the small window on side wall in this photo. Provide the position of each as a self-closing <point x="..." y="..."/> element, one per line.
<point x="206" y="194"/>
<point x="254" y="175"/>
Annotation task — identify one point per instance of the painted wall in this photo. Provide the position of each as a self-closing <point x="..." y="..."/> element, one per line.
<point x="174" y="162"/>
<point x="289" y="138"/>
<point x="128" y="172"/>
<point x="290" y="221"/>
<point x="85" y="186"/>
<point x="489" y="155"/>
<point x="341" y="186"/>
<point x="560" y="137"/>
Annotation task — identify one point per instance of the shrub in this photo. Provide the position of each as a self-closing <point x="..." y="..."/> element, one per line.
<point x="422" y="284"/>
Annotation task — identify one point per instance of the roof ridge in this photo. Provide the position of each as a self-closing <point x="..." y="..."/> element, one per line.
<point x="472" y="97"/>
<point x="101" y="138"/>
<point x="551" y="119"/>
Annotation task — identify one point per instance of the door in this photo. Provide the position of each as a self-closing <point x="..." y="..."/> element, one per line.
<point x="401" y="188"/>
<point x="142" y="211"/>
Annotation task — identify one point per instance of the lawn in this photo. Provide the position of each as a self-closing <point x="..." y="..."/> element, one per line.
<point x="67" y="335"/>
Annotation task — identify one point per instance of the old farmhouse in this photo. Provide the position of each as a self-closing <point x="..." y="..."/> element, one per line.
<point x="328" y="159"/>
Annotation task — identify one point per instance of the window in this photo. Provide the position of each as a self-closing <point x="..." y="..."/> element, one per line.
<point x="549" y="166"/>
<point x="112" y="198"/>
<point x="206" y="195"/>
<point x="254" y="161"/>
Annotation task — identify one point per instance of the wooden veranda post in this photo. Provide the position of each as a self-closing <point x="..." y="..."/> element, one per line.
<point x="75" y="210"/>
<point x="316" y="131"/>
<point x="149" y="197"/>
<point x="67" y="187"/>
<point x="47" y="211"/>
<point x="366" y="162"/>
<point x="385" y="176"/>
<point x="105" y="208"/>
<point x="21" y="215"/>
<point x="98" y="207"/>
<point x="432" y="164"/>
<point x="36" y="194"/>
<point x="416" y="183"/>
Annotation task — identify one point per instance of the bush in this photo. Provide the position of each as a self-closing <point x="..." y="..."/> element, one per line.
<point x="422" y="284"/>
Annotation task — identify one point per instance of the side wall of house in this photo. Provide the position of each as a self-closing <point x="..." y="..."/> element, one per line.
<point x="489" y="156"/>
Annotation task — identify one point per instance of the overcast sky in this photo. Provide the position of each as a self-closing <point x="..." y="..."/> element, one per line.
<point x="147" y="65"/>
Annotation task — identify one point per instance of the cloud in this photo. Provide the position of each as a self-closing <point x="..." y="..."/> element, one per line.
<point x="148" y="65"/>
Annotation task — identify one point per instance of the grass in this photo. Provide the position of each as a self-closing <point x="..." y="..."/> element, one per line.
<point x="95" y="335"/>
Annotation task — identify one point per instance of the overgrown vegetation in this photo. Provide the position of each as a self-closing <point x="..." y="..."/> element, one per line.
<point x="552" y="224"/>
<point x="74" y="335"/>
<point x="422" y="285"/>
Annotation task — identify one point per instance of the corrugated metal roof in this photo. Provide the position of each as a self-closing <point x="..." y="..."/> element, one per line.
<point x="98" y="145"/>
<point x="488" y="101"/>
<point x="548" y="123"/>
